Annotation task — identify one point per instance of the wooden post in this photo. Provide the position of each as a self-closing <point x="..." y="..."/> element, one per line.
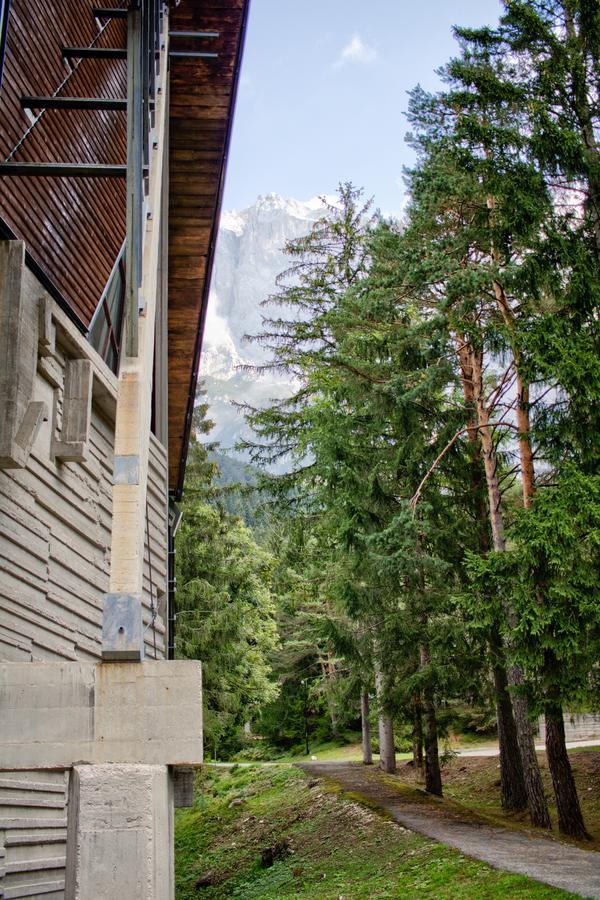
<point x="122" y="633"/>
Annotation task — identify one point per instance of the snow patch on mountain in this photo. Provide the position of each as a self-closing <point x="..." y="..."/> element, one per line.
<point x="249" y="257"/>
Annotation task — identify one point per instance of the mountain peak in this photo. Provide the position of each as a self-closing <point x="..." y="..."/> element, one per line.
<point x="248" y="260"/>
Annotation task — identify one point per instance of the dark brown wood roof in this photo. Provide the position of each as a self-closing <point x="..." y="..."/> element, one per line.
<point x="202" y="96"/>
<point x="73" y="228"/>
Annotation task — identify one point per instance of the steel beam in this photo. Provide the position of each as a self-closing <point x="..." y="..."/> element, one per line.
<point x="62" y="170"/>
<point x="194" y="34"/>
<point x="135" y="190"/>
<point x="102" y="12"/>
<point x="93" y="53"/>
<point x="94" y="103"/>
<point x="193" y="53"/>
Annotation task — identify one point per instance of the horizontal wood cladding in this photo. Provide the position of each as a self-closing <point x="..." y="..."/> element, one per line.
<point x="73" y="228"/>
<point x="33" y="832"/>
<point x="55" y="532"/>
<point x="202" y="93"/>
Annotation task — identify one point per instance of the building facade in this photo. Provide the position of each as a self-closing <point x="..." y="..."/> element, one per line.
<point x="114" y="126"/>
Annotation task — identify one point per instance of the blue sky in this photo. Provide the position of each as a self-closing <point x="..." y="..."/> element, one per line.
<point x="323" y="91"/>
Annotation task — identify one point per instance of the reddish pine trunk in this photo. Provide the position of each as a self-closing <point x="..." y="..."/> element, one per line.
<point x="538" y="807"/>
<point x="565" y="791"/>
<point x="512" y="784"/>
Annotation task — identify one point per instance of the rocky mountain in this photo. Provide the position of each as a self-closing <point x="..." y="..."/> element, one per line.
<point x="248" y="260"/>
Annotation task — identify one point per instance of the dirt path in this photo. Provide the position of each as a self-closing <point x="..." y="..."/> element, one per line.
<point x="544" y="859"/>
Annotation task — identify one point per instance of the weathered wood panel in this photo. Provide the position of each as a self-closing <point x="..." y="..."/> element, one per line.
<point x="202" y="94"/>
<point x="55" y="520"/>
<point x="73" y="228"/>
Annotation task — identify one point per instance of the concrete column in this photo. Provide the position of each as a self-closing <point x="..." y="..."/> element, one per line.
<point x="120" y="833"/>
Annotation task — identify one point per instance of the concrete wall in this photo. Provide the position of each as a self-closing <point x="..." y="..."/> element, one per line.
<point x="86" y="752"/>
<point x="55" y="521"/>
<point x="578" y="727"/>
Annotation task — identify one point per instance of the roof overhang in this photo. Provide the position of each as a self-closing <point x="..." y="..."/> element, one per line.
<point x="202" y="99"/>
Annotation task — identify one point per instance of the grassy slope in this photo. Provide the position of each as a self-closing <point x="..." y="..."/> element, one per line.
<point x="337" y="848"/>
<point x="473" y="783"/>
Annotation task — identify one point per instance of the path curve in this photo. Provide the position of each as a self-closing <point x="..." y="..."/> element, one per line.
<point x="543" y="859"/>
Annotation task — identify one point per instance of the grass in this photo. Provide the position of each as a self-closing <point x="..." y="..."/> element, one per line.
<point x="335" y="848"/>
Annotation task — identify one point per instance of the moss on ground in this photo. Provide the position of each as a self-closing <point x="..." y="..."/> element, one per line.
<point x="329" y="847"/>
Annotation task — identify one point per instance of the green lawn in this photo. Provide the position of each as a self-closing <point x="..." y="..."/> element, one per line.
<point x="330" y="847"/>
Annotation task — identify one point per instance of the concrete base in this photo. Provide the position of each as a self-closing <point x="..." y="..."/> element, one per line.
<point x="120" y="833"/>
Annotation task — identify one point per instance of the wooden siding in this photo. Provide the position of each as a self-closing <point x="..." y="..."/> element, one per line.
<point x="73" y="228"/>
<point x="55" y="531"/>
<point x="202" y="94"/>
<point x="33" y="833"/>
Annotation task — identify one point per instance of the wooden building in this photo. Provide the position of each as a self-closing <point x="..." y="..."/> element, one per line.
<point x="114" y="129"/>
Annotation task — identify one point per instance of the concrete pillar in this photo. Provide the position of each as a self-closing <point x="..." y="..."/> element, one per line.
<point x="120" y="833"/>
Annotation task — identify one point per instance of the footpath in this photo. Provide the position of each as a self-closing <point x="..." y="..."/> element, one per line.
<point x="543" y="858"/>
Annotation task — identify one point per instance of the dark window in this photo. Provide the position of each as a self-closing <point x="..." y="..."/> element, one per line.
<point x="106" y="329"/>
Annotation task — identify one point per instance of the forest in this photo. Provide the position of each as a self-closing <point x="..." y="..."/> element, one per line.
<point x="430" y="556"/>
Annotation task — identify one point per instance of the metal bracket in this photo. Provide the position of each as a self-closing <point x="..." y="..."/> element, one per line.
<point x="122" y="628"/>
<point x="126" y="469"/>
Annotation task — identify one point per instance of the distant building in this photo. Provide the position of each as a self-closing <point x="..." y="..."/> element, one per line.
<point x="114" y="129"/>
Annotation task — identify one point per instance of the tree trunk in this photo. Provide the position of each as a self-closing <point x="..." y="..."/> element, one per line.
<point x="417" y="733"/>
<point x="387" y="752"/>
<point x="331" y="677"/>
<point x="525" y="448"/>
<point x="570" y="818"/>
<point x="512" y="784"/>
<point x="433" y="775"/>
<point x="523" y="421"/>
<point x="367" y="751"/>
<point x="569" y="812"/>
<point x="536" y="800"/>
<point x="513" y="795"/>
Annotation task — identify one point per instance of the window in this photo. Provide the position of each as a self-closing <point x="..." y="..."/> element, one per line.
<point x="106" y="329"/>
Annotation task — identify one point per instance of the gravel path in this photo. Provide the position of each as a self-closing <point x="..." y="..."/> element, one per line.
<point x="544" y="859"/>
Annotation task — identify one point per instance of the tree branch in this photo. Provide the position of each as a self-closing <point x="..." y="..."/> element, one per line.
<point x="417" y="494"/>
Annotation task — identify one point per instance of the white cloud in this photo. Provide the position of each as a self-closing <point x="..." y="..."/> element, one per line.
<point x="357" y="51"/>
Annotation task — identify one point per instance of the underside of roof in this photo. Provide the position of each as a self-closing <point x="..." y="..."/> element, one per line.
<point x="202" y="97"/>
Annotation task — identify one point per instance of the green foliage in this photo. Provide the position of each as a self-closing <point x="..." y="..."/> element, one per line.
<point x="446" y="402"/>
<point x="552" y="576"/>
<point x="225" y="608"/>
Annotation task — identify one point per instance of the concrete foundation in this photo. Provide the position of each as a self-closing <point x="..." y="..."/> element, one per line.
<point x="120" y="833"/>
<point x="111" y="732"/>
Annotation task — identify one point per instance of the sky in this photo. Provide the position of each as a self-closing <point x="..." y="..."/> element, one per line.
<point x="323" y="92"/>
